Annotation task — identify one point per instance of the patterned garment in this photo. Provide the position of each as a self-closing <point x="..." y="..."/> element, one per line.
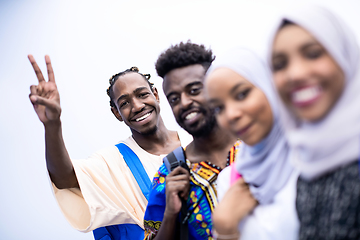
<point x="201" y="202"/>
<point x="329" y="207"/>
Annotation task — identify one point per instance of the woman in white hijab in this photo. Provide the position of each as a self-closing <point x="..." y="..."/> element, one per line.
<point x="315" y="63"/>
<point x="240" y="91"/>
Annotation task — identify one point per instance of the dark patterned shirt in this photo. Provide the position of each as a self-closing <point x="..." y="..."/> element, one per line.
<point x="329" y="207"/>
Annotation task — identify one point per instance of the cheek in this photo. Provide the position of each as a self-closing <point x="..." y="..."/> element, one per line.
<point x="261" y="112"/>
<point x="174" y="109"/>
<point x="332" y="71"/>
<point x="222" y="121"/>
<point x="267" y="118"/>
<point x="280" y="82"/>
<point x="281" y="87"/>
<point x="332" y="76"/>
<point x="256" y="106"/>
<point x="326" y="68"/>
<point x="337" y="86"/>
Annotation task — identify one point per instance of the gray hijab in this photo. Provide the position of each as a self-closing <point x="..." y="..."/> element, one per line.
<point x="264" y="166"/>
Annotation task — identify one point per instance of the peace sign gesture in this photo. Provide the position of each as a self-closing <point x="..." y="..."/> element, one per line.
<point x="45" y="96"/>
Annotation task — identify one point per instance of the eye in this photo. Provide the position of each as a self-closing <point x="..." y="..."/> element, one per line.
<point x="279" y="63"/>
<point x="195" y="90"/>
<point x="314" y="53"/>
<point x="243" y="94"/>
<point x="216" y="110"/>
<point x="173" y="100"/>
<point x="123" y="104"/>
<point x="143" y="95"/>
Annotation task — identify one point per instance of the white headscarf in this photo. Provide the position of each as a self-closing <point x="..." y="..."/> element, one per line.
<point x="264" y="166"/>
<point x="321" y="147"/>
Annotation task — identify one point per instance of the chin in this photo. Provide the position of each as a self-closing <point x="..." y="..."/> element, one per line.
<point x="203" y="130"/>
<point x="312" y="116"/>
<point x="149" y="131"/>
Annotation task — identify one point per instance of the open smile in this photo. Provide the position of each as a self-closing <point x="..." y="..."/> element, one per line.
<point x="305" y="96"/>
<point x="142" y="117"/>
<point x="191" y="116"/>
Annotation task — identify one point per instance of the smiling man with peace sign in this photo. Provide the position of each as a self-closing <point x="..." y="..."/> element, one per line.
<point x="107" y="191"/>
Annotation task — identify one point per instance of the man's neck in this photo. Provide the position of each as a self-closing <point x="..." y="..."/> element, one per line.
<point x="162" y="141"/>
<point x="213" y="148"/>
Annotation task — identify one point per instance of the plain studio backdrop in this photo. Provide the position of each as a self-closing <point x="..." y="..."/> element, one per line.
<point x="88" y="42"/>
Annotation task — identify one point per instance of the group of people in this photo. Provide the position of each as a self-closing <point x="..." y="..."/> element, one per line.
<point x="271" y="146"/>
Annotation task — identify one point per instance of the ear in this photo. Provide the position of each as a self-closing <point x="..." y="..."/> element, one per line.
<point x="116" y="114"/>
<point x="156" y="94"/>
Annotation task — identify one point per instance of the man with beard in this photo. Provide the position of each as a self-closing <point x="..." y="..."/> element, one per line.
<point x="110" y="187"/>
<point x="183" y="68"/>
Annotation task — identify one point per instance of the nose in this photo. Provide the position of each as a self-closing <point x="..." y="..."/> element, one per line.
<point x="298" y="70"/>
<point x="137" y="105"/>
<point x="186" y="101"/>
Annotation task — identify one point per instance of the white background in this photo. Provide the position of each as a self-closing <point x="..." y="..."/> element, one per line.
<point x="88" y="41"/>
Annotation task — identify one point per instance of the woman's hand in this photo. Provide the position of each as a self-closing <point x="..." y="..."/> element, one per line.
<point x="235" y="205"/>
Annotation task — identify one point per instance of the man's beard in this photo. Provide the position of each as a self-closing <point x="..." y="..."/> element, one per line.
<point x="204" y="128"/>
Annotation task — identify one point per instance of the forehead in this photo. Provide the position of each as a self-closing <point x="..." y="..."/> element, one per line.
<point x="223" y="79"/>
<point x="291" y="36"/>
<point x="127" y="83"/>
<point x="179" y="78"/>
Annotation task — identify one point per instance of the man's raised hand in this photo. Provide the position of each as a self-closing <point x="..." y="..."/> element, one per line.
<point x="45" y="96"/>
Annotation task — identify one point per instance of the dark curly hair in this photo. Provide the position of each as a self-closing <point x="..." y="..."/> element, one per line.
<point x="115" y="77"/>
<point x="182" y="55"/>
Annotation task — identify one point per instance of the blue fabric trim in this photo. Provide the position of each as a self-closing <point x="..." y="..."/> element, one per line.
<point x="127" y="231"/>
<point x="119" y="232"/>
<point x="136" y="167"/>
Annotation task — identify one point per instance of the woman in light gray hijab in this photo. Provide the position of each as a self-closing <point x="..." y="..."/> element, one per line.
<point x="315" y="63"/>
<point x="241" y="93"/>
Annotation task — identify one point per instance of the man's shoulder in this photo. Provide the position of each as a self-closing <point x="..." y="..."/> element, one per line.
<point x="112" y="150"/>
<point x="127" y="141"/>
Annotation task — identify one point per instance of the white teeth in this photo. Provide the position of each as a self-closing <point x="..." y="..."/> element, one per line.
<point x="306" y="94"/>
<point x="143" y="117"/>
<point x="191" y="115"/>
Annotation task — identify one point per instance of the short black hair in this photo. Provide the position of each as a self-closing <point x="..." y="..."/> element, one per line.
<point x="182" y="55"/>
<point x="115" y="77"/>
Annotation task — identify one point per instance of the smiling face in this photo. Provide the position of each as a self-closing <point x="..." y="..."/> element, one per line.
<point x="183" y="88"/>
<point x="239" y="106"/>
<point x="136" y="104"/>
<point x="308" y="80"/>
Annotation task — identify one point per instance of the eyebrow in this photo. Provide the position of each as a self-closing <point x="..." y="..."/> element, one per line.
<point x="139" y="89"/>
<point x="309" y="44"/>
<point x="187" y="86"/>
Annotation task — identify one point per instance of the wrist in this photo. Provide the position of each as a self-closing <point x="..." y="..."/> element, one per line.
<point x="232" y="235"/>
<point x="52" y="124"/>
<point x="225" y="223"/>
<point x="169" y="215"/>
<point x="226" y="228"/>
